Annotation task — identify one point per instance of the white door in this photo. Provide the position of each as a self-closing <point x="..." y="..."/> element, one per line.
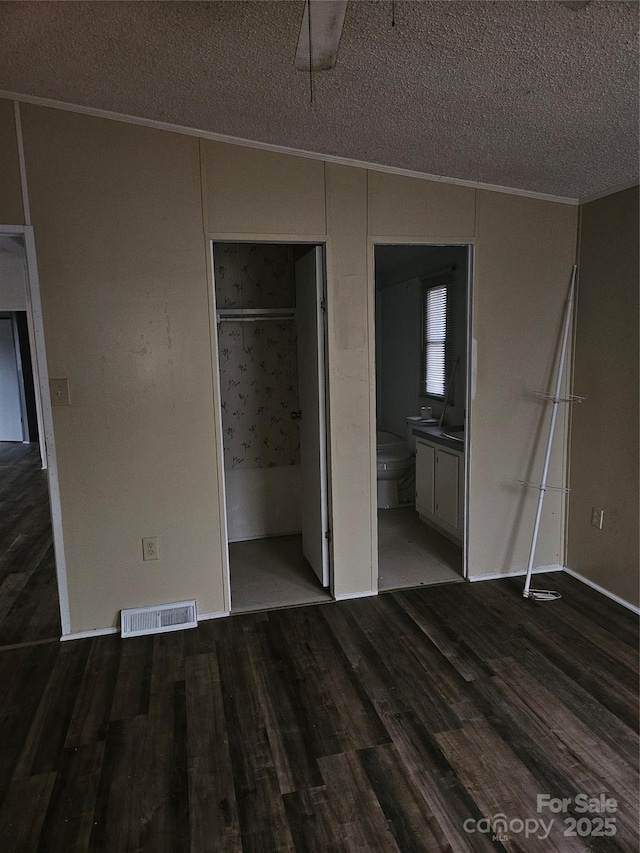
<point x="311" y="392"/>
<point x="10" y="403"/>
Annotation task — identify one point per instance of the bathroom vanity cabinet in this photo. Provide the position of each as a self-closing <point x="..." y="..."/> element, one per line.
<point x="440" y="488"/>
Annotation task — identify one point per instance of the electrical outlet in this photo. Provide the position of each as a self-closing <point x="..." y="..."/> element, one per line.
<point x="150" y="548"/>
<point x="597" y="516"/>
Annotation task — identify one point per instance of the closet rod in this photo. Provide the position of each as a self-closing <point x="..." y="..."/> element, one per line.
<point x="243" y="315"/>
<point x="256" y="319"/>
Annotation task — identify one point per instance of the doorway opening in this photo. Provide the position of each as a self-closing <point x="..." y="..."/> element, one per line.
<point x="421" y="321"/>
<point x="18" y="419"/>
<point x="270" y="343"/>
<point x="30" y="609"/>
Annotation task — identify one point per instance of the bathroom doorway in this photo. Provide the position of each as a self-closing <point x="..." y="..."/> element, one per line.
<point x="422" y="355"/>
<point x="270" y="333"/>
<point x="32" y="572"/>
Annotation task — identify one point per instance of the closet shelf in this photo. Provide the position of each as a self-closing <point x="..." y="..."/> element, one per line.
<point x="253" y="315"/>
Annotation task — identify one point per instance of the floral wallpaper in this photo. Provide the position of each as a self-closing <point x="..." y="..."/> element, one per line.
<point x="253" y="275"/>
<point x="258" y="359"/>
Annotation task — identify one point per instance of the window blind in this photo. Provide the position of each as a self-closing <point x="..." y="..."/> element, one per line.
<point x="435" y="340"/>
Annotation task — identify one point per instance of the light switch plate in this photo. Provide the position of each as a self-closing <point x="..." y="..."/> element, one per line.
<point x="59" y="389"/>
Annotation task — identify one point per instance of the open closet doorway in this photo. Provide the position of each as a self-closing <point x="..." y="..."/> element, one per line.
<point x="422" y="319"/>
<point x="30" y="610"/>
<point x="270" y="333"/>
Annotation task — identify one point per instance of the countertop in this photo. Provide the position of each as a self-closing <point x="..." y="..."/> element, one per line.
<point x="434" y="434"/>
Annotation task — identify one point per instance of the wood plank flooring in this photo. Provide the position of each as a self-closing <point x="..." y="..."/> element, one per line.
<point x="29" y="609"/>
<point x="394" y="723"/>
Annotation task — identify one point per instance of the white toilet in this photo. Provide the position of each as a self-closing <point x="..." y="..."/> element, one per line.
<point x="395" y="466"/>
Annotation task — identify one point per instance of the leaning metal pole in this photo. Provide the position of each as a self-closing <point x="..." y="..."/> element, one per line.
<point x="543" y="594"/>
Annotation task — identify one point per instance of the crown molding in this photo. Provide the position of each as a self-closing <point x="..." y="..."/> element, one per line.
<point x="279" y="149"/>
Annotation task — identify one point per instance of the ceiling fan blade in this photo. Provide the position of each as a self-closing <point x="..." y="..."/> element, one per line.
<point x="327" y="20"/>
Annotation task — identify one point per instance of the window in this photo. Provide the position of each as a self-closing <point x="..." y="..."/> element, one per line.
<point x="435" y="341"/>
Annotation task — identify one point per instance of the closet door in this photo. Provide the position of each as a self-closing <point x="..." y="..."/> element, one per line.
<point x="311" y="393"/>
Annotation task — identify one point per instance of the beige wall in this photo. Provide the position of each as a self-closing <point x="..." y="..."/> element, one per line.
<point x="605" y="429"/>
<point x="13" y="282"/>
<point x="406" y="207"/>
<point x="11" y="212"/>
<point x="249" y="191"/>
<point x="525" y="250"/>
<point x="523" y="253"/>
<point x="349" y="299"/>
<point x="120" y="228"/>
<point x="117" y="216"/>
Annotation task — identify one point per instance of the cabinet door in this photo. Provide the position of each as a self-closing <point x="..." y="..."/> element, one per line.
<point x="446" y="487"/>
<point x="425" y="469"/>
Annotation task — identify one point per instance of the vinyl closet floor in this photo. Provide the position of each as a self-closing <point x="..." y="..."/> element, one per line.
<point x="410" y="553"/>
<point x="390" y="724"/>
<point x="270" y="573"/>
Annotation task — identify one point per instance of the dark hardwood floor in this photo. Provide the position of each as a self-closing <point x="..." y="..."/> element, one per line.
<point x="394" y="723"/>
<point x="29" y="609"/>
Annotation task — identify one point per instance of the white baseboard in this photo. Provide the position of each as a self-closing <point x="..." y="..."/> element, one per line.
<point x="519" y="573"/>
<point x="366" y="594"/>
<point x="84" y="635"/>
<point x="202" y="617"/>
<point x="544" y="569"/>
<point x="101" y="632"/>
<point x="604" y="591"/>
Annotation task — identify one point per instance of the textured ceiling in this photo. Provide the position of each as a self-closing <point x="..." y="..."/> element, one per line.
<point x="530" y="95"/>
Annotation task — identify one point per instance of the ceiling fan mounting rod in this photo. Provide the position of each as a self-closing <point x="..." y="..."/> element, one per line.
<point x="310" y="53"/>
